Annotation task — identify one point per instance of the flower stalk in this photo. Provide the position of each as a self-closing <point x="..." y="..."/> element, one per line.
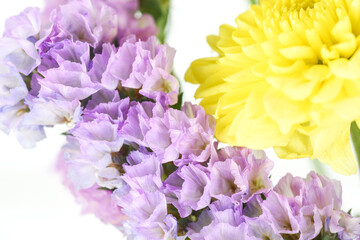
<point x="355" y="138"/>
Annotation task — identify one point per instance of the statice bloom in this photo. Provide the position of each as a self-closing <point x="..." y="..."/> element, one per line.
<point x="304" y="205"/>
<point x="99" y="142"/>
<point x="144" y="65"/>
<point x="96" y="22"/>
<point x="12" y="87"/>
<point x="222" y="220"/>
<point x="188" y="189"/>
<point x="146" y="208"/>
<point x="239" y="173"/>
<point x="296" y="208"/>
<point x="18" y="42"/>
<point x="137" y="124"/>
<point x="191" y="133"/>
<point x="93" y="200"/>
<point x="179" y="136"/>
<point x="13" y="111"/>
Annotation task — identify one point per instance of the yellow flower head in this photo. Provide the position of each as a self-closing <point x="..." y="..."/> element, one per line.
<point x="287" y="76"/>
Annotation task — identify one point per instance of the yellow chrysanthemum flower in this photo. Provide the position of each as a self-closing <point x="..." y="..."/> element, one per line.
<point x="287" y="76"/>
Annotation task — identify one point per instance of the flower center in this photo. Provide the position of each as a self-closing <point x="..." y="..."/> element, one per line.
<point x="299" y="4"/>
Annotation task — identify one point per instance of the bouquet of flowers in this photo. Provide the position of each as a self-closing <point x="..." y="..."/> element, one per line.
<point x="156" y="168"/>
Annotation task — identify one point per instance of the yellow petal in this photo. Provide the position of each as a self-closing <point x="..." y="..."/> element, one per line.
<point x="285" y="111"/>
<point x="328" y="90"/>
<point x="210" y="104"/>
<point x="354" y="14"/>
<point x="200" y="69"/>
<point x="254" y="52"/>
<point x="339" y="155"/>
<point x="299" y="146"/>
<point x="298" y="52"/>
<point x="212" y="41"/>
<point x="317" y="73"/>
<point x="248" y="130"/>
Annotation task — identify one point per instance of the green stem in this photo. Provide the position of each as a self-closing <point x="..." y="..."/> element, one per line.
<point x="355" y="137"/>
<point x="318" y="167"/>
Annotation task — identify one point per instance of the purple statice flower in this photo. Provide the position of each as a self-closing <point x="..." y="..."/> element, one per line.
<point x="278" y="211"/>
<point x="142" y="206"/>
<point x="260" y="228"/>
<point x="345" y="225"/>
<point x="239" y="173"/>
<point x="137" y="124"/>
<point x="52" y="111"/>
<point x="143" y="202"/>
<point x="80" y="172"/>
<point x="100" y="142"/>
<point x="49" y="6"/>
<point x="100" y="63"/>
<point x="21" y="53"/>
<point x="26" y="24"/>
<point x="143" y="171"/>
<point x="195" y="188"/>
<point x="226" y="180"/>
<point x="14" y="118"/>
<point x="103" y="96"/>
<point x="18" y="48"/>
<point x="188" y="132"/>
<point x="223" y="220"/>
<point x="68" y="82"/>
<point x="191" y="132"/>
<point x="95" y="22"/>
<point x="147" y="212"/>
<point x="66" y="51"/>
<point x="63" y="83"/>
<point x="188" y="189"/>
<point x="157" y="230"/>
<point x="307" y="207"/>
<point x="93" y="200"/>
<point x="84" y="20"/>
<point x="141" y="199"/>
<point x="12" y="87"/>
<point x="64" y="72"/>
<point x="252" y="208"/>
<point x="323" y="191"/>
<point x="144" y="65"/>
<point x="13" y="111"/>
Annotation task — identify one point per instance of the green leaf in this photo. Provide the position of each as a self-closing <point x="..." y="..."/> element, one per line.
<point x="179" y="103"/>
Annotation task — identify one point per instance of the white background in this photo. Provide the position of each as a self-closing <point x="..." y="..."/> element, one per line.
<point x="33" y="202"/>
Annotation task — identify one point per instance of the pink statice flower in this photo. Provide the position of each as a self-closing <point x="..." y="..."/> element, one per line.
<point x="93" y="200"/>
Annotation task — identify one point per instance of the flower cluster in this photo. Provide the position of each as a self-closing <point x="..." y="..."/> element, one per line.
<point x="284" y="80"/>
<point x="49" y="68"/>
<point x="135" y="156"/>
